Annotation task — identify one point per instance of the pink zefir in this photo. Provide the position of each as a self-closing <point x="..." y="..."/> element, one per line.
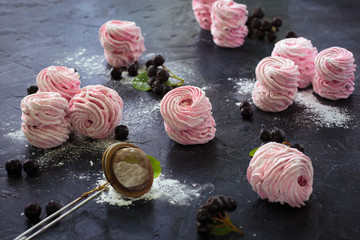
<point x="302" y="53"/>
<point x="96" y="111"/>
<point x="202" y="12"/>
<point x="45" y="123"/>
<point x="281" y="174"/>
<point x="187" y="115"/>
<point x="276" y="85"/>
<point x="228" y="23"/>
<point x="122" y="42"/>
<point x="335" y="73"/>
<point x="63" y="80"/>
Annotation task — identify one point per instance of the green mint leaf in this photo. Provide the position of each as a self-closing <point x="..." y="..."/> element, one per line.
<point x="140" y="82"/>
<point x="216" y="230"/>
<point x="251" y="154"/>
<point x="156" y="166"/>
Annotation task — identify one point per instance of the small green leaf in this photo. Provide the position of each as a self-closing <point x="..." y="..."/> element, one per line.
<point x="251" y="154"/>
<point x="220" y="231"/>
<point x="140" y="82"/>
<point x="156" y="166"/>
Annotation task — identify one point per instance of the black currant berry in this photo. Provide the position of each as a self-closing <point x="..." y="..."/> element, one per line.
<point x="266" y="25"/>
<point x="31" y="166"/>
<point x="13" y="167"/>
<point x="245" y="104"/>
<point x="157" y="87"/>
<point x="52" y="207"/>
<point x="133" y="70"/>
<point x="271" y="36"/>
<point x="291" y="34"/>
<point x="258" y="13"/>
<point x="152" y="80"/>
<point x="255" y="23"/>
<point x="166" y="89"/>
<point x="277" y="135"/>
<point x="248" y="21"/>
<point x="162" y="75"/>
<point x="298" y="146"/>
<point x="265" y="135"/>
<point x="158" y="60"/>
<point x="32" y="89"/>
<point x="277" y="22"/>
<point x="203" y="215"/>
<point x="260" y="34"/>
<point x="32" y="211"/>
<point x="121" y="132"/>
<point x="202" y="229"/>
<point x="246" y="112"/>
<point x="152" y="70"/>
<point x="116" y="73"/>
<point x="149" y="63"/>
<point x="231" y="204"/>
<point x="250" y="32"/>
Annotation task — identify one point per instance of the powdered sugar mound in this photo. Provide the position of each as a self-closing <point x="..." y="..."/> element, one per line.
<point x="86" y="65"/>
<point x="320" y="114"/>
<point x="244" y="86"/>
<point x="164" y="189"/>
<point x="17" y="135"/>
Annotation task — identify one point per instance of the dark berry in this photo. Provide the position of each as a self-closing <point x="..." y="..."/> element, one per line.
<point x="213" y="205"/>
<point x="162" y="75"/>
<point x="277" y="135"/>
<point x="231" y="204"/>
<point x="121" y="132"/>
<point x="255" y="23"/>
<point x="258" y="13"/>
<point x="291" y="34"/>
<point x="149" y="63"/>
<point x="166" y="89"/>
<point x="248" y="21"/>
<point x="116" y="73"/>
<point x="298" y="146"/>
<point x="31" y="166"/>
<point x="13" y="167"/>
<point x="277" y="22"/>
<point x="157" y="87"/>
<point x="266" y="25"/>
<point x="133" y="70"/>
<point x="152" y="70"/>
<point x="260" y="34"/>
<point x="246" y="112"/>
<point x="265" y="135"/>
<point x="75" y="70"/>
<point x="158" y="60"/>
<point x="52" y="207"/>
<point x="245" y="104"/>
<point x="32" y="211"/>
<point x="151" y="81"/>
<point x="202" y="229"/>
<point x="32" y="89"/>
<point x="203" y="215"/>
<point x="271" y="36"/>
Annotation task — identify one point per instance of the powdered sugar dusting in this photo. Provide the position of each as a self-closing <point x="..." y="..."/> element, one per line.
<point x="88" y="66"/>
<point x="244" y="86"/>
<point x="320" y="114"/>
<point x="17" y="135"/>
<point x="164" y="189"/>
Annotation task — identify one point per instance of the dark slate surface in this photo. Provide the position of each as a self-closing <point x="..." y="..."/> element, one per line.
<point x="37" y="34"/>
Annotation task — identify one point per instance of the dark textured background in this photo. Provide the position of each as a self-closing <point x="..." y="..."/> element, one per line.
<point x="37" y="34"/>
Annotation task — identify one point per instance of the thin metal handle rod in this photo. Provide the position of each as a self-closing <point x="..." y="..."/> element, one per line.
<point x="23" y="237"/>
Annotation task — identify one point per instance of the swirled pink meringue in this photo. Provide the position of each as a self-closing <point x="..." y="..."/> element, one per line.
<point x="45" y="123"/>
<point x="59" y="79"/>
<point x="187" y="115"/>
<point x="202" y="12"/>
<point x="281" y="174"/>
<point x="95" y="111"/>
<point x="122" y="42"/>
<point x="302" y="53"/>
<point x="276" y="84"/>
<point x="269" y="101"/>
<point x="335" y="73"/>
<point x="228" y="23"/>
